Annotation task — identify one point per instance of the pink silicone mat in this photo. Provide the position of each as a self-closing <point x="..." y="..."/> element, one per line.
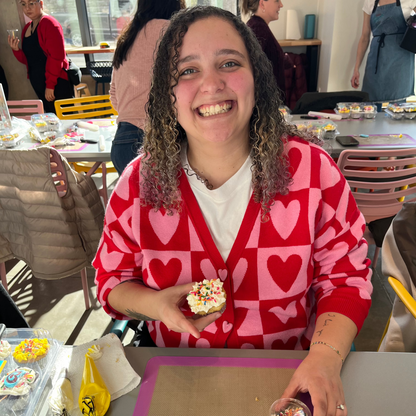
<point x="213" y="385"/>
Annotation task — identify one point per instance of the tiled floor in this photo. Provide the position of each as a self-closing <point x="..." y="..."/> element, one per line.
<point x="58" y="306"/>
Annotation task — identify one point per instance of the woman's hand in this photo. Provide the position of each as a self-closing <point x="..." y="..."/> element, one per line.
<point x="319" y="374"/>
<point x="355" y="80"/>
<point x="49" y="94"/>
<point x="169" y="302"/>
<point x="13" y="43"/>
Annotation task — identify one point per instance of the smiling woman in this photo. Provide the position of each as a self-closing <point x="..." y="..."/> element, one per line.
<point x="226" y="189"/>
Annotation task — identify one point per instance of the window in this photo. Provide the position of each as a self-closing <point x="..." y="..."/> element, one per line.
<point x="89" y="22"/>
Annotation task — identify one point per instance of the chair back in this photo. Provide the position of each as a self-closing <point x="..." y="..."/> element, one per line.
<point x="84" y="107"/>
<point x="320" y="101"/>
<point x="25" y="108"/>
<point x="379" y="179"/>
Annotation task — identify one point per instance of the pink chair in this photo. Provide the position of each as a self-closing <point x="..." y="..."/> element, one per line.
<point x="25" y="108"/>
<point x="379" y="180"/>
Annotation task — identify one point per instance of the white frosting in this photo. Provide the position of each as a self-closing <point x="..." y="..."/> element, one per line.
<point x="94" y="352"/>
<point x="206" y="295"/>
<point x="23" y="385"/>
<point x="5" y="349"/>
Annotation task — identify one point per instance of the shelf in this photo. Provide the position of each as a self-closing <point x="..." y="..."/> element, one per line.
<point x="300" y="42"/>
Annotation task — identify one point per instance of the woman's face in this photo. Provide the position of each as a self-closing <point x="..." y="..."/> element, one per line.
<point x="32" y="8"/>
<point x="215" y="91"/>
<point x="271" y="10"/>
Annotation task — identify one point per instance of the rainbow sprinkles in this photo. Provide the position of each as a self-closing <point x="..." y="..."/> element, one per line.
<point x="207" y="297"/>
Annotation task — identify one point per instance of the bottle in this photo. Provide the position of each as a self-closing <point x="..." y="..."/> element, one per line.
<point x="309" y="26"/>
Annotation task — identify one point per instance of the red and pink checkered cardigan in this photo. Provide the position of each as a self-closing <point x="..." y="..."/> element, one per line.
<point x="308" y="259"/>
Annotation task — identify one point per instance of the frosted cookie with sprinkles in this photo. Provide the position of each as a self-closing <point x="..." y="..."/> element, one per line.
<point x="31" y="350"/>
<point x="207" y="297"/>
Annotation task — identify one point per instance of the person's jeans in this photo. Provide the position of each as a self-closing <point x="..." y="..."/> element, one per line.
<point x="126" y="143"/>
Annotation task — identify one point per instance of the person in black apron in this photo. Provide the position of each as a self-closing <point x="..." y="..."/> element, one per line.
<point x="36" y="59"/>
<point x="389" y="72"/>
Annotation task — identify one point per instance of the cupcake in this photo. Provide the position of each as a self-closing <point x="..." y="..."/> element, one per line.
<point x="207" y="297"/>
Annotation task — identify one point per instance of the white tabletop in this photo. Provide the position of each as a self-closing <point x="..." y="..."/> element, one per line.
<point x="382" y="124"/>
<point x="90" y="153"/>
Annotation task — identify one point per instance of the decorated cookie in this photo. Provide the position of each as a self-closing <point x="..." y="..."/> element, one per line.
<point x="31" y="350"/>
<point x="5" y="349"/>
<point x="17" y="382"/>
<point x="207" y="297"/>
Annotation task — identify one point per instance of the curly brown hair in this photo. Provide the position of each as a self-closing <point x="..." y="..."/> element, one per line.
<point x="161" y="163"/>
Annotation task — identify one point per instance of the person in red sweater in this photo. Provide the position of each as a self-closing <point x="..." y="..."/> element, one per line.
<point x="225" y="188"/>
<point x="43" y="53"/>
<point x="263" y="12"/>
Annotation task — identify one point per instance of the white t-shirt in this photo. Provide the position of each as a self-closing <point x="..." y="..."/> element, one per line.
<point x="223" y="208"/>
<point x="407" y="7"/>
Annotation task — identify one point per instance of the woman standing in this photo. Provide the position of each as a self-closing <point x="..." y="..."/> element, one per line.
<point x="262" y="13"/>
<point x="43" y="53"/>
<point x="130" y="84"/>
<point x="390" y="70"/>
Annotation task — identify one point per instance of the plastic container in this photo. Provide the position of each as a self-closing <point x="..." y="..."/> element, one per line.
<point x="343" y="109"/>
<point x="409" y="110"/>
<point x="369" y="110"/>
<point x="27" y="404"/>
<point x="329" y="127"/>
<point x="286" y="113"/>
<point x="11" y="137"/>
<point x="394" y="115"/>
<point x="46" y="122"/>
<point x="286" y="407"/>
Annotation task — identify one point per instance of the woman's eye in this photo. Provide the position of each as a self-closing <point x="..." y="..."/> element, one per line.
<point x="188" y="71"/>
<point x="230" y="65"/>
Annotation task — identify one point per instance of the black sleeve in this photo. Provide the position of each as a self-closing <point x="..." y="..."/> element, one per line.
<point x="3" y="81"/>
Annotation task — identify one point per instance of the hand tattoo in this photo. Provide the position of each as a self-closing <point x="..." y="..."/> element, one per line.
<point x="138" y="316"/>
<point x="327" y="320"/>
<point x="319" y="332"/>
<point x="332" y="316"/>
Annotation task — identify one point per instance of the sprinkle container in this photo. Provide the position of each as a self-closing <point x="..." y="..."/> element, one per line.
<point x="289" y="407"/>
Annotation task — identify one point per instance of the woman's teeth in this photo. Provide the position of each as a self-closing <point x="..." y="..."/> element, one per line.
<point x="212" y="110"/>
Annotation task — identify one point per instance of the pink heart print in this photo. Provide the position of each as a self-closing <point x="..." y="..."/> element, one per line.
<point x="226" y="327"/>
<point x="222" y="273"/>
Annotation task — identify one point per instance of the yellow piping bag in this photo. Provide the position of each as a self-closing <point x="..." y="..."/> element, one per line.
<point x="94" y="397"/>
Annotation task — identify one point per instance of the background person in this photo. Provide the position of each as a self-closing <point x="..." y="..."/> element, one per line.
<point x="132" y="71"/>
<point x="224" y="188"/>
<point x="390" y="70"/>
<point x="43" y="53"/>
<point x="263" y="12"/>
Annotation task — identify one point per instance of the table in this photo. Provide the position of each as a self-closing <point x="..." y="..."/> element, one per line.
<point x="375" y="383"/>
<point x="382" y="124"/>
<point x="91" y="152"/>
<point x="85" y="50"/>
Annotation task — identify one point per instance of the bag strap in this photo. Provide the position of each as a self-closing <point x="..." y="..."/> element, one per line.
<point x="376" y="4"/>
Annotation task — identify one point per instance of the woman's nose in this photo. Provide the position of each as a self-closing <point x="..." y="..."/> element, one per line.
<point x="212" y="82"/>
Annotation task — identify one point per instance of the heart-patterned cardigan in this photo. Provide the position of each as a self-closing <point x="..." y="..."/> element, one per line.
<point x="307" y="259"/>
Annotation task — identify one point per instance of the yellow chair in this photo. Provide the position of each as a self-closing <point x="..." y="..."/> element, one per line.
<point x="95" y="106"/>
<point x="403" y="294"/>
